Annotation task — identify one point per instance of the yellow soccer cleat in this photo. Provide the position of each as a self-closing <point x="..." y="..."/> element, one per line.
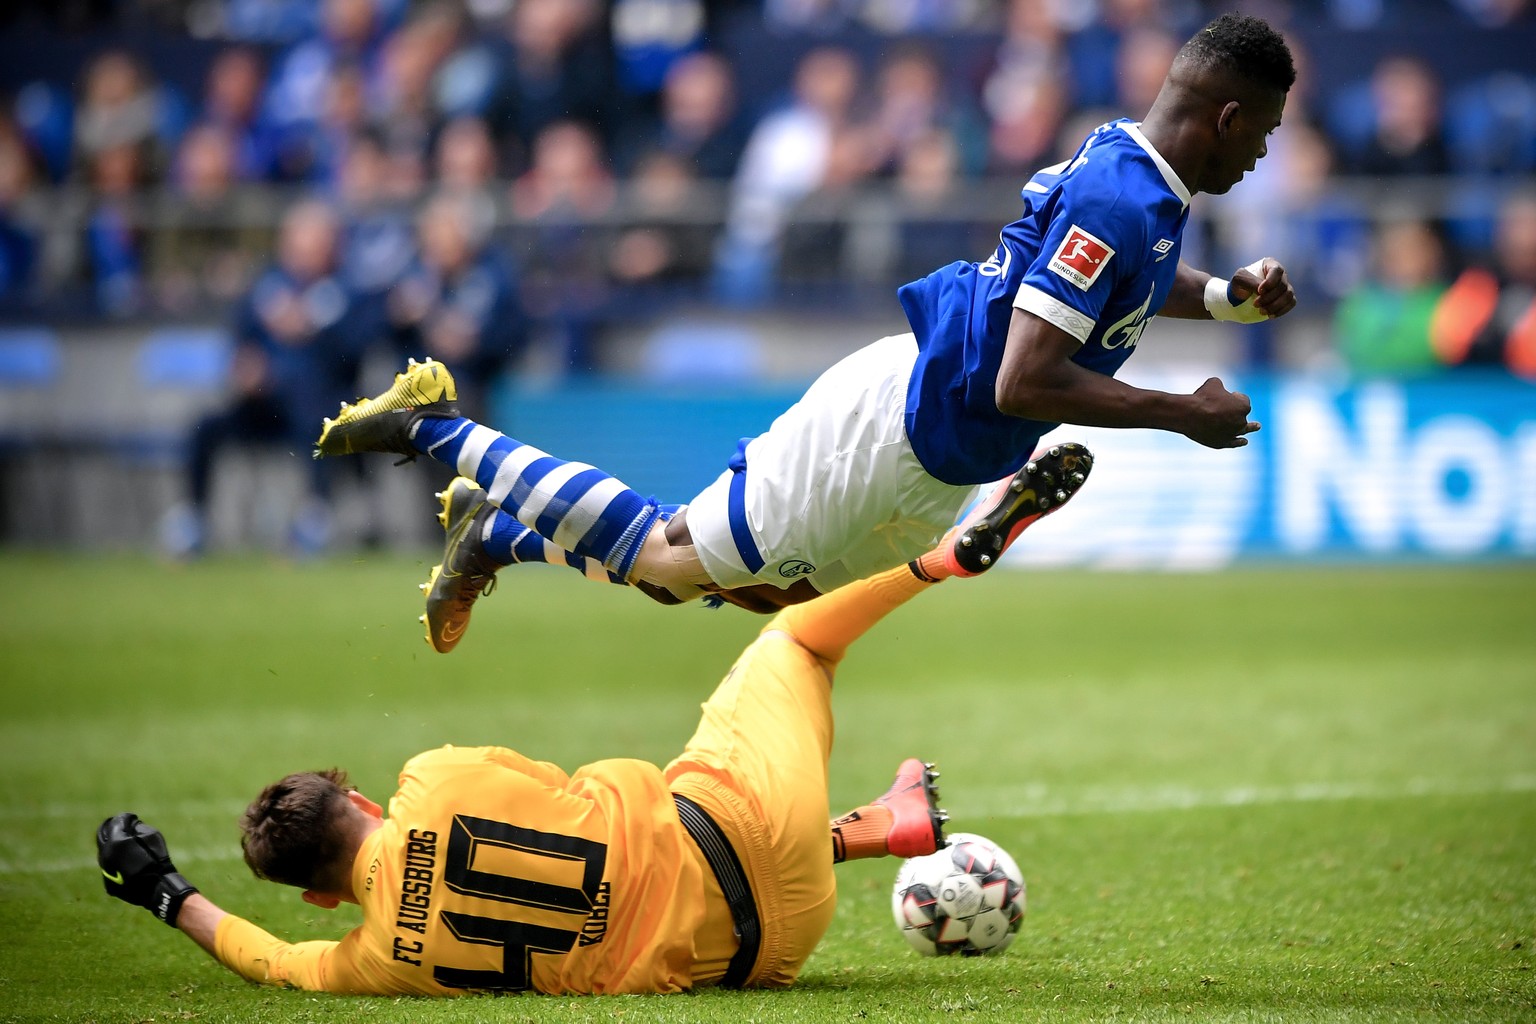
<point x="465" y="573"/>
<point x="384" y="423"/>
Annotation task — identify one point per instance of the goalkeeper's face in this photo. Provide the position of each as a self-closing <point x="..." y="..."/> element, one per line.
<point x="370" y="814"/>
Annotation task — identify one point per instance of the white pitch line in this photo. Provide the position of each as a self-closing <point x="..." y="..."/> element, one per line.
<point x="1038" y="801"/>
<point x="69" y="865"/>
<point x="1029" y="801"/>
<point x="230" y="809"/>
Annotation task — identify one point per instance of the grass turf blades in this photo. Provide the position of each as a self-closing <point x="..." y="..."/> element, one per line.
<point x="1265" y="795"/>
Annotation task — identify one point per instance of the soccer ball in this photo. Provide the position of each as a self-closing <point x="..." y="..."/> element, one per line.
<point x="967" y="898"/>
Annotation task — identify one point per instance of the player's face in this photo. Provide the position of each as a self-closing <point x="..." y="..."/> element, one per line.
<point x="1245" y="140"/>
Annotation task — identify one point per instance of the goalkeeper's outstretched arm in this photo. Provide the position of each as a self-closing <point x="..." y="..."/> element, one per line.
<point x="136" y="868"/>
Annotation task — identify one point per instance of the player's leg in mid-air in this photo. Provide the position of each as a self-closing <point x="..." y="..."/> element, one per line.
<point x="846" y="474"/>
<point x="576" y="506"/>
<point x="758" y="762"/>
<point x="481" y="540"/>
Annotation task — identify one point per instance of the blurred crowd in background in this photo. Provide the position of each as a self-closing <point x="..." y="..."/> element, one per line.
<point x="459" y="176"/>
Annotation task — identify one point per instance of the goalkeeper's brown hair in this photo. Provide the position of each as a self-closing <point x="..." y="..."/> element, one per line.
<point x="295" y="831"/>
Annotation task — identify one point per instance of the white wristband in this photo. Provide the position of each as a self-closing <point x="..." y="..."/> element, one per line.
<point x="1218" y="299"/>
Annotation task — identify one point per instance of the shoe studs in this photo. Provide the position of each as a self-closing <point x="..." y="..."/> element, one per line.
<point x="986" y="561"/>
<point x="1078" y="478"/>
<point x="1017" y="487"/>
<point x="1055" y="451"/>
<point x="1031" y="468"/>
<point x="1061" y="496"/>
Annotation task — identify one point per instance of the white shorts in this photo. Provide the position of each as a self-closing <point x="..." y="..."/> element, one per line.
<point x="832" y="492"/>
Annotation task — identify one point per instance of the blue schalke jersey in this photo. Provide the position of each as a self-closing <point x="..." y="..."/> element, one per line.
<point x="1094" y="254"/>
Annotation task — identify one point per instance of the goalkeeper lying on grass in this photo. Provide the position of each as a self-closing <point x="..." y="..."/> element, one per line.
<point x="492" y="871"/>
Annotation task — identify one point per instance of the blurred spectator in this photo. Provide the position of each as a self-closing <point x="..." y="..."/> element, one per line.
<point x="820" y="245"/>
<point x="377" y="241"/>
<point x="459" y="302"/>
<point x="297" y="350"/>
<point x="698" y="123"/>
<point x="556" y="68"/>
<point x="1405" y="137"/>
<point x="260" y="21"/>
<point x="46" y="119"/>
<point x="349" y="35"/>
<point x="119" y="107"/>
<point x="889" y="17"/>
<point x="311" y="152"/>
<point x="665" y="248"/>
<point x="1142" y="65"/>
<point x="1494" y="13"/>
<point x="453" y="93"/>
<point x="649" y="36"/>
<point x="114" y="230"/>
<point x="465" y="165"/>
<point x="464" y="160"/>
<point x="1489" y="314"/>
<point x="911" y="101"/>
<point x="909" y="16"/>
<point x="466" y="83"/>
<point x="567" y="177"/>
<point x="303" y="92"/>
<point x="1383" y="326"/>
<point x="930" y="233"/>
<point x="232" y="102"/>
<point x="1098" y="44"/>
<point x="405" y="97"/>
<point x="787" y="157"/>
<point x="553" y="202"/>
<point x="20" y="217"/>
<point x="207" y="233"/>
<point x="808" y="15"/>
<point x="1025" y="95"/>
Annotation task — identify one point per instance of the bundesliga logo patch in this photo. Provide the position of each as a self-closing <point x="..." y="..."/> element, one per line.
<point x="1080" y="258"/>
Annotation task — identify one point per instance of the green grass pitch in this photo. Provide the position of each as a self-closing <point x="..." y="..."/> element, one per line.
<point x="1263" y="795"/>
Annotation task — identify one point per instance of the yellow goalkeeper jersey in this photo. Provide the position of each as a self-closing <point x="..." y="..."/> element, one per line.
<point x="494" y="871"/>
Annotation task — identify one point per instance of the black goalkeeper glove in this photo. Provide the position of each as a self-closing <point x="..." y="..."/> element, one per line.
<point x="138" y="869"/>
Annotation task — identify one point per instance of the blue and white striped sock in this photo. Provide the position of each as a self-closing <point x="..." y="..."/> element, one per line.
<point x="578" y="507"/>
<point x="508" y="542"/>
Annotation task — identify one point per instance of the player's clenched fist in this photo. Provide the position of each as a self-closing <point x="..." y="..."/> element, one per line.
<point x="137" y="867"/>
<point x="1266" y="283"/>
<point x="1219" y="417"/>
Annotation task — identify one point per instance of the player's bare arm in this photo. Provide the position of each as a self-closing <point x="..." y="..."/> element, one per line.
<point x="1265" y="282"/>
<point x="1038" y="380"/>
<point x="199" y="921"/>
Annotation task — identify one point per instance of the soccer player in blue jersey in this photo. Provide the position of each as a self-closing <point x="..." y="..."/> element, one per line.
<point x="882" y="454"/>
